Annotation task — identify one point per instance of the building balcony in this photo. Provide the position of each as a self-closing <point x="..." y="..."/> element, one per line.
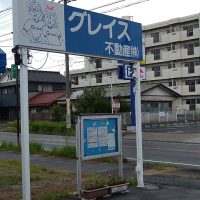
<point x="150" y="75"/>
<point x="189" y="54"/>
<point x="165" y="56"/>
<point x="184" y="36"/>
<point x="173" y="55"/>
<point x="172" y="37"/>
<point x="173" y="73"/>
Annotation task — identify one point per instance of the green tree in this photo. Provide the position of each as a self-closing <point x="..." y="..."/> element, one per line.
<point x="93" y="100"/>
<point x="58" y="113"/>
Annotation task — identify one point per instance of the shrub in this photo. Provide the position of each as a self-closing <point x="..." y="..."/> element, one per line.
<point x="66" y="151"/>
<point x="9" y="146"/>
<point x="36" y="148"/>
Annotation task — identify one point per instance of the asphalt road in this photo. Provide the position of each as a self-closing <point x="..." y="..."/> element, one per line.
<point x="179" y="153"/>
<point x="153" y="151"/>
<point x="183" y="129"/>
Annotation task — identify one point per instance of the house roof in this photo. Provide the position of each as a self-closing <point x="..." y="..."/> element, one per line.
<point x="146" y="86"/>
<point x="45" y="98"/>
<point x="42" y="76"/>
<point x="124" y="90"/>
<point x="45" y="76"/>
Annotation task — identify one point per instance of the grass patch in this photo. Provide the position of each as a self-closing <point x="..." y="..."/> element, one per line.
<point x="107" y="160"/>
<point x="34" y="148"/>
<point x="46" y="184"/>
<point x="66" y="151"/>
<point x="53" y="195"/>
<point x="8" y="146"/>
<point x="161" y="166"/>
<point x="133" y="181"/>
<point x="46" y="127"/>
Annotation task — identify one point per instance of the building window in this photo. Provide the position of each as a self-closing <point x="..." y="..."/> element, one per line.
<point x="189" y="30"/>
<point x="198" y="81"/>
<point x="156" y="37"/>
<point x="171" y="65"/>
<point x="172" y="83"/>
<point x="33" y="110"/>
<point x="191" y="103"/>
<point x="98" y="78"/>
<point x="4" y="91"/>
<point x="197" y="62"/>
<point x="191" y="68"/>
<point x="59" y="87"/>
<point x="171" y="48"/>
<point x="98" y="63"/>
<point x="171" y="30"/>
<point x="156" y="53"/>
<point x="156" y="70"/>
<point x="190" y="47"/>
<point x="75" y="80"/>
<point x="191" y="84"/>
<point x="83" y="76"/>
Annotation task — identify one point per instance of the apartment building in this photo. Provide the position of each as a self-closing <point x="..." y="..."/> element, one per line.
<point x="172" y="55"/>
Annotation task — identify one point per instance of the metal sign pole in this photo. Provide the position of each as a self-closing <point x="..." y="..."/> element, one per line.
<point x="78" y="155"/>
<point x="120" y="158"/>
<point x="24" y="126"/>
<point x="139" y="167"/>
<point x="132" y="85"/>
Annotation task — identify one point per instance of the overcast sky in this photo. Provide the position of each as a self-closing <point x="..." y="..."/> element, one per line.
<point x="146" y="13"/>
<point x="151" y="11"/>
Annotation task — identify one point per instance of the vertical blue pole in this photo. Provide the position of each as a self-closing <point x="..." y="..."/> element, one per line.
<point x="132" y="86"/>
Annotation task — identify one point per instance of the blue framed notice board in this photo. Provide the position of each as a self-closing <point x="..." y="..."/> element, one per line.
<point x="100" y="136"/>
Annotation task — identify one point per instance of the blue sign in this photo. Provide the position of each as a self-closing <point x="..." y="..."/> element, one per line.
<point x="3" y="61"/>
<point x="100" y="136"/>
<point x="94" y="34"/>
<point x="128" y="72"/>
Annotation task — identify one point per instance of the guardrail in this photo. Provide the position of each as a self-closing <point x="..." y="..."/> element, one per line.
<point x="164" y="118"/>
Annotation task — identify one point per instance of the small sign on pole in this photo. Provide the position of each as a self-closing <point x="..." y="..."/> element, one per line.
<point x="116" y="105"/>
<point x="14" y="69"/>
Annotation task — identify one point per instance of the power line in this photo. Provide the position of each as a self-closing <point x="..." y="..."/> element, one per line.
<point x="124" y="6"/>
<point x="6" y="34"/>
<point x="2" y="15"/>
<point x="6" y="9"/>
<point x="109" y="4"/>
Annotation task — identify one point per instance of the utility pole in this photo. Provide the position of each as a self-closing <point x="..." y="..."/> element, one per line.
<point x="68" y="87"/>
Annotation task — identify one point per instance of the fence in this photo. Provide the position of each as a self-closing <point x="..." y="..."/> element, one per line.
<point x="164" y="117"/>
